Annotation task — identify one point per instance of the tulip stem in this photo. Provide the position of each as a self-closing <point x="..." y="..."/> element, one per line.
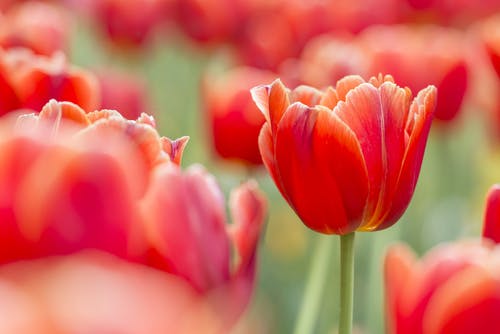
<point x="308" y="313"/>
<point x="346" y="282"/>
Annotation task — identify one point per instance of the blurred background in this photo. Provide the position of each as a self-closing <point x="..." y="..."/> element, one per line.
<point x="190" y="63"/>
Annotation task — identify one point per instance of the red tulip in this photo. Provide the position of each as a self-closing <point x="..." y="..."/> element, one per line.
<point x="234" y="119"/>
<point x="209" y="21"/>
<point x="453" y="289"/>
<point x="41" y="27"/>
<point x="30" y="81"/>
<point x="127" y="23"/>
<point x="345" y="159"/>
<point x="403" y="51"/>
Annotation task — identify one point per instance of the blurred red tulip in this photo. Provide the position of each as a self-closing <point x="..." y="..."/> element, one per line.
<point x="345" y="159"/>
<point x="42" y="27"/>
<point x="128" y="23"/>
<point x="421" y="56"/>
<point x="210" y="21"/>
<point x="64" y="190"/>
<point x="453" y="289"/>
<point x="491" y="225"/>
<point x="30" y="81"/>
<point x="234" y="119"/>
<point x="124" y="92"/>
<point x="403" y="51"/>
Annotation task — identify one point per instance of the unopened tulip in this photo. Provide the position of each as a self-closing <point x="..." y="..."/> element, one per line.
<point x="346" y="159"/>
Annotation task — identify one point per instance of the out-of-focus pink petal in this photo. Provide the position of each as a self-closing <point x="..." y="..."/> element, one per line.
<point x="185" y="217"/>
<point x="94" y="292"/>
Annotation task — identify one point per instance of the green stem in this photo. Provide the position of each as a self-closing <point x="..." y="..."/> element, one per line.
<point x="308" y="313"/>
<point x="346" y="282"/>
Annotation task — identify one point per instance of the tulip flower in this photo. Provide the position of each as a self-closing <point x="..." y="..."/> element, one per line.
<point x="235" y="121"/>
<point x="453" y="289"/>
<point x="86" y="197"/>
<point x="403" y="51"/>
<point x="29" y="81"/>
<point x="42" y="27"/>
<point x="75" y="181"/>
<point x="345" y="159"/>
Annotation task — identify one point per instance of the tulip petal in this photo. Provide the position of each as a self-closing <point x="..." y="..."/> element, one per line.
<point x="313" y="144"/>
<point x="346" y="84"/>
<point x="174" y="148"/>
<point x="420" y="119"/>
<point x="267" y="152"/>
<point x="467" y="303"/>
<point x="398" y="273"/>
<point x="186" y="224"/>
<point x="376" y="117"/>
<point x="272" y="100"/>
<point x="248" y="210"/>
<point x="451" y="91"/>
<point x="307" y="95"/>
<point x="491" y="225"/>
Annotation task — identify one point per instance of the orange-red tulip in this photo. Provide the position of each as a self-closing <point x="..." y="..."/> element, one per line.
<point x="234" y="119"/>
<point x="30" y="81"/>
<point x="404" y="51"/>
<point x="345" y="159"/>
<point x="453" y="289"/>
